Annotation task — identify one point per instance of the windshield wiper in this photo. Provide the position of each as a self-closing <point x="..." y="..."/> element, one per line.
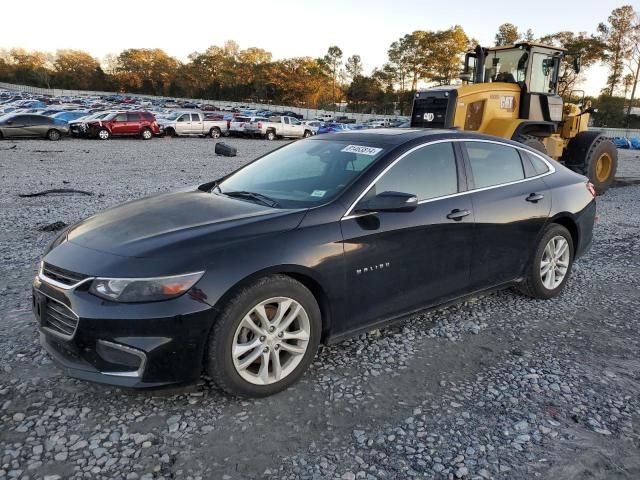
<point x="263" y="199"/>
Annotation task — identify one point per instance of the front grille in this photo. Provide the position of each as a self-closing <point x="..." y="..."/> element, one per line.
<point x="66" y="277"/>
<point x="59" y="319"/>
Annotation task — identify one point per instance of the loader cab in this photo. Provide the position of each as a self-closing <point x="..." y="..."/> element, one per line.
<point x="533" y="66"/>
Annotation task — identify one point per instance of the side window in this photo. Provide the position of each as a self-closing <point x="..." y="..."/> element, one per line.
<point x="493" y="164"/>
<point x="195" y="117"/>
<point x="133" y="117"/>
<point x="121" y="117"/>
<point x="427" y="172"/>
<point x="184" y="118"/>
<point x="538" y="165"/>
<point x="286" y="120"/>
<point x="295" y="122"/>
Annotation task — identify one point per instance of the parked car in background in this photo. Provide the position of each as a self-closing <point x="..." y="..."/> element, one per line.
<point x="344" y="119"/>
<point x="78" y="127"/>
<point x="32" y="126"/>
<point x="279" y="127"/>
<point x="68" y="116"/>
<point x="142" y="124"/>
<point x="314" y="125"/>
<point x="190" y="124"/>
<point x="325" y="117"/>
<point x="237" y="126"/>
<point x="332" y="128"/>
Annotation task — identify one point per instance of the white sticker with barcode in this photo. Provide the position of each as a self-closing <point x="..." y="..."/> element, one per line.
<point x="318" y="193"/>
<point x="361" y="149"/>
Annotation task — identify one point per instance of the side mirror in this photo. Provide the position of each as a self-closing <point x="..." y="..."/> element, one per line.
<point x="577" y="63"/>
<point x="389" y="202"/>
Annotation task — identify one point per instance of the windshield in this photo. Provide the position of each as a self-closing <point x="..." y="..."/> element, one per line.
<point x="304" y="173"/>
<point x="508" y="65"/>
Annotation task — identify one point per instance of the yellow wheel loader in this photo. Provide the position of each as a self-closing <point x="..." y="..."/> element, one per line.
<point x="511" y="92"/>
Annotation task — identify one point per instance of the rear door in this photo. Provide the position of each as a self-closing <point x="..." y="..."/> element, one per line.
<point x="510" y="209"/>
<point x="196" y="124"/>
<point x="134" y="122"/>
<point x="397" y="262"/>
<point x="16" y="126"/>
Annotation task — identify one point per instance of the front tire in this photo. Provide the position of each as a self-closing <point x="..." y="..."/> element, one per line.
<point x="264" y="338"/>
<point x="271" y="135"/>
<point x="550" y="268"/>
<point x="53" y="135"/>
<point x="306" y="134"/>
<point x="104" y="134"/>
<point x="594" y="156"/>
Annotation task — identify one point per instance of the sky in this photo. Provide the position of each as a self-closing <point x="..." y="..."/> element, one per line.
<point x="286" y="28"/>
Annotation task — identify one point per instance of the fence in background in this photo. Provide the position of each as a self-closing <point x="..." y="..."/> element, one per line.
<point x="617" y="132"/>
<point x="308" y="113"/>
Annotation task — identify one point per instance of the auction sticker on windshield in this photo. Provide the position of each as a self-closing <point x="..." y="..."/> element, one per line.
<point x="361" y="149"/>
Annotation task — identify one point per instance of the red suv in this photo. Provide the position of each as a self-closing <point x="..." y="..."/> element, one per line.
<point x="142" y="124"/>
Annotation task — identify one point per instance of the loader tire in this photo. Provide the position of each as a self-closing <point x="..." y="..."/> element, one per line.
<point x="594" y="156"/>
<point x="532" y="142"/>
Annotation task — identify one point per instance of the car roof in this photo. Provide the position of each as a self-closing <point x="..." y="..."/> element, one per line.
<point x="399" y="136"/>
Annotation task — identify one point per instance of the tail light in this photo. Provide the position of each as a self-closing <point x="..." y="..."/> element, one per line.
<point x="259" y="125"/>
<point x="592" y="189"/>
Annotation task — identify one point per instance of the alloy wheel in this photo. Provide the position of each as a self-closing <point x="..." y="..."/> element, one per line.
<point x="103" y="134"/>
<point x="271" y="340"/>
<point x="146" y="134"/>
<point x="555" y="262"/>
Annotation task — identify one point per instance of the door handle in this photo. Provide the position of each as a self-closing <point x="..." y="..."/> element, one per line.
<point x="457" y="214"/>
<point x="534" y="198"/>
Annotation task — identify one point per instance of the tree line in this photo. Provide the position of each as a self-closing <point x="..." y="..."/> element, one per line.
<point x="417" y="59"/>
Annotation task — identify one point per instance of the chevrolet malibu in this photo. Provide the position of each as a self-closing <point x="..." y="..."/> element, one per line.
<point x="243" y="277"/>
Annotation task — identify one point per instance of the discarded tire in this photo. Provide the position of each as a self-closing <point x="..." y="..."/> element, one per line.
<point x="226" y="150"/>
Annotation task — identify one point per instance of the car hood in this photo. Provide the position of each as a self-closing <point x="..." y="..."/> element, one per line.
<point x="179" y="223"/>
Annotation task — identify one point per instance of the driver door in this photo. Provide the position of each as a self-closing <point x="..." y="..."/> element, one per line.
<point x="183" y="125"/>
<point x="399" y="262"/>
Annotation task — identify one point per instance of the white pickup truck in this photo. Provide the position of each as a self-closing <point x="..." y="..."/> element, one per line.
<point x="278" y="127"/>
<point x="191" y="123"/>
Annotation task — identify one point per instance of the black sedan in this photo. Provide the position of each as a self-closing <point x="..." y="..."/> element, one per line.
<point x="32" y="126"/>
<point x="313" y="242"/>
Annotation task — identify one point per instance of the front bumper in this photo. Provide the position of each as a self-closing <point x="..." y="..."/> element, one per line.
<point x="142" y="345"/>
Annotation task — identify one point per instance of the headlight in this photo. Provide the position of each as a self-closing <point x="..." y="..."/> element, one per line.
<point x="143" y="289"/>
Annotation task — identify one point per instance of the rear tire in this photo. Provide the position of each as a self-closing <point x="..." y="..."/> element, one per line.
<point x="215" y="132"/>
<point x="536" y="283"/>
<point x="146" y="134"/>
<point x="230" y="333"/>
<point x="532" y="142"/>
<point x="593" y="156"/>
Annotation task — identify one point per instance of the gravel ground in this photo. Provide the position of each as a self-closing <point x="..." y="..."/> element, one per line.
<point x="498" y="387"/>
